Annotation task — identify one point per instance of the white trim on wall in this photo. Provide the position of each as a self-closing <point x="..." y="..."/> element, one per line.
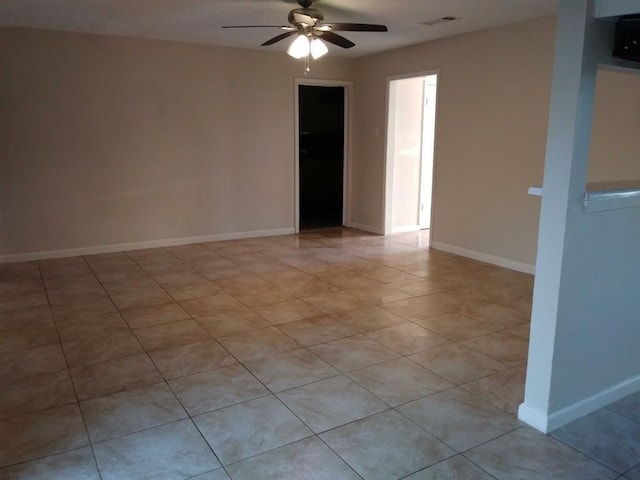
<point x="348" y="124"/>
<point x="485" y="257"/>
<point x="120" y="247"/>
<point x="548" y="422"/>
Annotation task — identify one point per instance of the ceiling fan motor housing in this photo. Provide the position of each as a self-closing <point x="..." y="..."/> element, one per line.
<point x="307" y="12"/>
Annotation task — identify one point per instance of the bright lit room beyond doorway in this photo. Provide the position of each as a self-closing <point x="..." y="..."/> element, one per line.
<point x="410" y="153"/>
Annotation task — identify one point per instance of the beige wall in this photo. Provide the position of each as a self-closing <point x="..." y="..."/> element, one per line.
<point x="615" y="144"/>
<point x="492" y="117"/>
<point x="109" y="140"/>
<point x="494" y="89"/>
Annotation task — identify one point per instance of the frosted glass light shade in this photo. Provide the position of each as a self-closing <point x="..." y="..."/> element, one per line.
<point x="299" y="48"/>
<point x="318" y="48"/>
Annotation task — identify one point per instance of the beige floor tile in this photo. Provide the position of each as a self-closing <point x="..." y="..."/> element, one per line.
<point x="633" y="474"/>
<point x="389" y="275"/>
<point x="408" y="338"/>
<point x="218" y="474"/>
<point x="113" y="376"/>
<point x="207" y="306"/>
<point x="290" y="369"/>
<point x="141" y="298"/>
<point x="189" y="359"/>
<point x="529" y="455"/>
<point x="458" y="327"/>
<point x="459" y="419"/>
<point x="458" y="468"/>
<point x="215" y="389"/>
<point x="27" y="300"/>
<point x="499" y="315"/>
<point x="330" y="403"/>
<point x="23" y="363"/>
<point x="309" y="288"/>
<point x="87" y="327"/>
<point x="258" y="344"/>
<point x="81" y="308"/>
<point x="131" y="411"/>
<point x="399" y="381"/>
<point x="605" y="436"/>
<point x="24" y="316"/>
<point x="504" y="389"/>
<point x="336" y="302"/>
<point x="204" y="288"/>
<point x="628" y="407"/>
<point x="345" y="280"/>
<point x="179" y="278"/>
<point x="176" y="450"/>
<point x="309" y="457"/>
<point x="241" y="284"/>
<point x="419" y="308"/>
<point x="40" y="434"/>
<point x="130" y="286"/>
<point x="379" y="294"/>
<point x="171" y="335"/>
<point x="284" y="312"/>
<point x="522" y="304"/>
<point x="101" y="346"/>
<point x="155" y="315"/>
<point x="457" y="363"/>
<point x="352" y="353"/>
<point x="250" y="428"/>
<point x="369" y="319"/>
<point x="235" y="320"/>
<point x="316" y="330"/>
<point x="521" y="331"/>
<point x="35" y="393"/>
<point x="75" y="464"/>
<point x="385" y="446"/>
<point x="223" y="269"/>
<point x="24" y="336"/>
<point x="263" y="295"/>
<point x="288" y="275"/>
<point x="502" y="346"/>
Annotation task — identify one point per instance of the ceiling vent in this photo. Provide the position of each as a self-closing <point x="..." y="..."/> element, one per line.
<point x="448" y="18"/>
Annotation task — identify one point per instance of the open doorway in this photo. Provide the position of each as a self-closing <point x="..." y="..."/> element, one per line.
<point x="321" y="156"/>
<point x="410" y="152"/>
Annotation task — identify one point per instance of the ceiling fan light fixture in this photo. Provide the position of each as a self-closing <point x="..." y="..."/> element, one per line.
<point x="300" y="47"/>
<point x="318" y="48"/>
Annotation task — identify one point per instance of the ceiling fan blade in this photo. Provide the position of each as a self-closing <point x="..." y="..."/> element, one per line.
<point x="252" y="26"/>
<point x="358" y="27"/>
<point x="337" y="40"/>
<point x="277" y="38"/>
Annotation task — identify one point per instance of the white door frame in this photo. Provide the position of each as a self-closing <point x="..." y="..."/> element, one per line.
<point x="346" y="173"/>
<point x="387" y="186"/>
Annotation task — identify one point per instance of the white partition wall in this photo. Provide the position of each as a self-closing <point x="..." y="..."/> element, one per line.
<point x="585" y="332"/>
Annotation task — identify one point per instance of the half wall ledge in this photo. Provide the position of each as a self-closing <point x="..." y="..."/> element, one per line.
<point x="602" y="196"/>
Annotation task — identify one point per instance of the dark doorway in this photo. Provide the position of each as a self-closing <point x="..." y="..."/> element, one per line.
<point x="321" y="144"/>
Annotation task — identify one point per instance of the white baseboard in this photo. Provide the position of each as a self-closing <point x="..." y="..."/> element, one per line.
<point x="549" y="422"/>
<point x="120" y="247"/>
<point x="406" y="229"/>
<point x="367" y="228"/>
<point x="484" y="257"/>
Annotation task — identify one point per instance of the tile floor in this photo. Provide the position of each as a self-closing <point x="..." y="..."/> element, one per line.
<point x="328" y="355"/>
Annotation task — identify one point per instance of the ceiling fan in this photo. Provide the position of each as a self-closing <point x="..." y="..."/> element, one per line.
<point x="307" y="23"/>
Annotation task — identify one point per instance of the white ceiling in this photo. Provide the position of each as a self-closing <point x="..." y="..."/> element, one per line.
<point x="200" y="21"/>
